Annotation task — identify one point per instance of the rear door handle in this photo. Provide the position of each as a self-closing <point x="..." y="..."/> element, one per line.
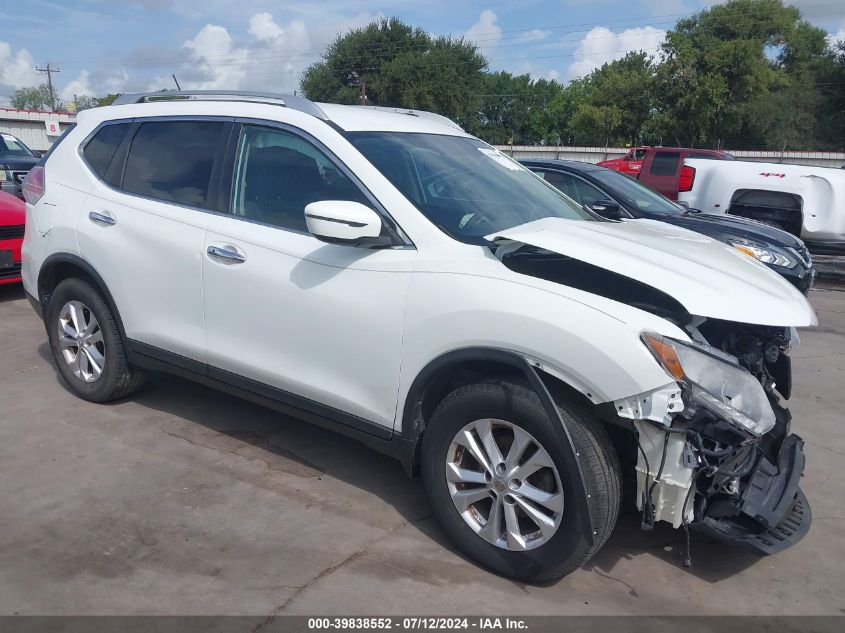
<point x="228" y="254"/>
<point x="103" y="218"/>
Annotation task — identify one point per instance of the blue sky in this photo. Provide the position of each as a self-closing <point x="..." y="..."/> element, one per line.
<point x="124" y="45"/>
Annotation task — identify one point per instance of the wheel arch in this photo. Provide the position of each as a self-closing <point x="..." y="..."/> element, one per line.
<point x="453" y="368"/>
<point x="60" y="266"/>
<point x="785" y="209"/>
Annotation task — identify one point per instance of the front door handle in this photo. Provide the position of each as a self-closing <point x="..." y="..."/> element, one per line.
<point x="103" y="218"/>
<point x="226" y="253"/>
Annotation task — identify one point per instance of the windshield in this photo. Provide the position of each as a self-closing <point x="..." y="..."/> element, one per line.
<point x="10" y="146"/>
<point x="463" y="185"/>
<point x="635" y="193"/>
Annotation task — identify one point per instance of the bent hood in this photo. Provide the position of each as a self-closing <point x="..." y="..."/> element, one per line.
<point x="706" y="277"/>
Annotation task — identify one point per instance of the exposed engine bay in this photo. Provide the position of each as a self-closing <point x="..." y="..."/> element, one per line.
<point x="737" y="486"/>
<point x="715" y="450"/>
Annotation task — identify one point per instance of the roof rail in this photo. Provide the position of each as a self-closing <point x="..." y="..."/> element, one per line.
<point x="418" y="113"/>
<point x="287" y="101"/>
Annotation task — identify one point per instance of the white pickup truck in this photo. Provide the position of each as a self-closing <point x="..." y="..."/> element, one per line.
<point x="806" y="201"/>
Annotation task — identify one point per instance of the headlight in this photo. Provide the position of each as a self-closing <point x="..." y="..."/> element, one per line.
<point x="716" y="382"/>
<point x="766" y="254"/>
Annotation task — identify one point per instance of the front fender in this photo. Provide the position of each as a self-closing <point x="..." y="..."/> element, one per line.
<point x="593" y="347"/>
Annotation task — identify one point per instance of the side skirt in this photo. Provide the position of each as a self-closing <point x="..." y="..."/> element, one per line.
<point x="373" y="435"/>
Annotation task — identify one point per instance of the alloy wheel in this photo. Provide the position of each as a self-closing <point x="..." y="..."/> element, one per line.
<point x="81" y="341"/>
<point x="504" y="484"/>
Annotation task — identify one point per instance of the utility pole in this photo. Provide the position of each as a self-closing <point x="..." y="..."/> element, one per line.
<point x="49" y="72"/>
<point x="176" y="81"/>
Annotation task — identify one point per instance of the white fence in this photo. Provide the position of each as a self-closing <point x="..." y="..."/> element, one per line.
<point x="596" y="154"/>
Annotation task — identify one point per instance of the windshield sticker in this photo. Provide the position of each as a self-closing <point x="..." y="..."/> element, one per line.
<point x="500" y="158"/>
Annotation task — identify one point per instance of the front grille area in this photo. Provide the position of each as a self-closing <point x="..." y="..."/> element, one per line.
<point x="7" y="273"/>
<point x="11" y="232"/>
<point x="19" y="176"/>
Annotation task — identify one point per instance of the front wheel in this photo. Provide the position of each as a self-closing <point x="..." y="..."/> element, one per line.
<point x="494" y="471"/>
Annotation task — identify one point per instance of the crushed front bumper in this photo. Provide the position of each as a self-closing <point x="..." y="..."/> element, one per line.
<point x="772" y="512"/>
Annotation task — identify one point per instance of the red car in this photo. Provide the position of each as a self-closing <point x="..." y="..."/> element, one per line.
<point x="12" y="215"/>
<point x="629" y="164"/>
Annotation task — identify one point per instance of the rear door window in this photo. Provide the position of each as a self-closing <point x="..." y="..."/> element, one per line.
<point x="173" y="161"/>
<point x="101" y="148"/>
<point x="563" y="182"/>
<point x="665" y="163"/>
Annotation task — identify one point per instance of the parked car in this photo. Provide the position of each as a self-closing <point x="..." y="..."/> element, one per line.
<point x="16" y="159"/>
<point x="806" y="201"/>
<point x="614" y="195"/>
<point x="630" y="164"/>
<point x="383" y="273"/>
<point x="12" y="213"/>
<point x="663" y="168"/>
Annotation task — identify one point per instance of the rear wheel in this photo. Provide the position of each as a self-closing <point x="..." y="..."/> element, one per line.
<point x="86" y="344"/>
<point x="494" y="470"/>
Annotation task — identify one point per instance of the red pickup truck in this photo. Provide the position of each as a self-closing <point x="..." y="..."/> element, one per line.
<point x="630" y="164"/>
<point x="662" y="168"/>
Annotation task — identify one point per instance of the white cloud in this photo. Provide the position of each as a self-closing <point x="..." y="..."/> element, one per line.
<point x="272" y="60"/>
<point x="834" y="38"/>
<point x="601" y="45"/>
<point x="527" y="68"/>
<point x="221" y="64"/>
<point x="485" y="33"/>
<point x="264" y="28"/>
<point x="94" y="84"/>
<point x="78" y="87"/>
<point x="17" y="69"/>
<point x="534" y="35"/>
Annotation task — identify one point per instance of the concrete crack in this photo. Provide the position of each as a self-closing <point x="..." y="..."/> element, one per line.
<point x="328" y="571"/>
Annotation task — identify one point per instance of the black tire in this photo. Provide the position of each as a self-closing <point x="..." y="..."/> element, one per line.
<point x="567" y="549"/>
<point x="118" y="378"/>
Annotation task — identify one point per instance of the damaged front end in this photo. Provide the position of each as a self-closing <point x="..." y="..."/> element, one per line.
<point x="721" y="458"/>
<point x="714" y="448"/>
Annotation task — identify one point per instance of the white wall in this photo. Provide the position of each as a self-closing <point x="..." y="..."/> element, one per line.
<point x="29" y="126"/>
<point x="596" y="154"/>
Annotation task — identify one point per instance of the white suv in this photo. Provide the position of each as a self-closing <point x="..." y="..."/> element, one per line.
<point x="383" y="273"/>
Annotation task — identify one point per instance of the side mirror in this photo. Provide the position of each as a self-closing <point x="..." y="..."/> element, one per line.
<point x="344" y="222"/>
<point x="609" y="209"/>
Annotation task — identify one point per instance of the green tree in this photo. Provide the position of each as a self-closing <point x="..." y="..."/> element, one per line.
<point x="32" y="98"/>
<point x="831" y="86"/>
<point x="86" y="102"/>
<point x="596" y="125"/>
<point x="627" y="86"/>
<point x="395" y="64"/>
<point x="738" y="71"/>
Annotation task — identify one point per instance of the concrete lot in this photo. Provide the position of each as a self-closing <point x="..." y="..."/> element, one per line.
<point x="187" y="501"/>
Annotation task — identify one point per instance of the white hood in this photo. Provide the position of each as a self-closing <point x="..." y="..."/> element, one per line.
<point x="707" y="277"/>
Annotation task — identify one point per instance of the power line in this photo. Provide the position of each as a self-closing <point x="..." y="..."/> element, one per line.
<point x="393" y="48"/>
<point x="49" y="72"/>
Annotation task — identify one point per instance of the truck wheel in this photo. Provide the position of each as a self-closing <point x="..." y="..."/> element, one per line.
<point x="493" y="469"/>
<point x="86" y="344"/>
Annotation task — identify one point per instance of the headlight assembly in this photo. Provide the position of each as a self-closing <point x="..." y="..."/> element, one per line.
<point x="765" y="253"/>
<point x="716" y="382"/>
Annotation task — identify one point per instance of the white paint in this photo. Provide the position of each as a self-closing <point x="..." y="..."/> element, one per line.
<point x="822" y="191"/>
<point x="707" y="277"/>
